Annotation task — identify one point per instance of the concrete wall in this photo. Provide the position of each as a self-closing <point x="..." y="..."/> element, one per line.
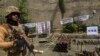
<point x="44" y="10"/>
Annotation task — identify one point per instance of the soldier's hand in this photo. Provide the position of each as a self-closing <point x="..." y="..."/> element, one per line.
<point x="19" y="42"/>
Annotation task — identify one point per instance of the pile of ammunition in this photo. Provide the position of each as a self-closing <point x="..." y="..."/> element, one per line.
<point x="86" y="53"/>
<point x="62" y="44"/>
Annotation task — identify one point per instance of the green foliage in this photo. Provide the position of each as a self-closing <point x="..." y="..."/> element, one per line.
<point x="32" y="30"/>
<point x="81" y="28"/>
<point x="73" y="27"/>
<point x="2" y="20"/>
<point x="70" y="28"/>
<point x="61" y="6"/>
<point x="24" y="11"/>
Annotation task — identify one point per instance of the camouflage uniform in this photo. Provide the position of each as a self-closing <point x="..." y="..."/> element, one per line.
<point x="14" y="51"/>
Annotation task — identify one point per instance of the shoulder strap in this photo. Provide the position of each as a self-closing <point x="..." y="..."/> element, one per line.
<point x="12" y="31"/>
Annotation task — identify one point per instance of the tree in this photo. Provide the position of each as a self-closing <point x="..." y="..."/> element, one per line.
<point x="70" y="28"/>
<point x="61" y="7"/>
<point x="2" y="20"/>
<point x="24" y="10"/>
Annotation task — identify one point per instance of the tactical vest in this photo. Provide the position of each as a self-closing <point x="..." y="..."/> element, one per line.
<point x="14" y="29"/>
<point x="11" y="37"/>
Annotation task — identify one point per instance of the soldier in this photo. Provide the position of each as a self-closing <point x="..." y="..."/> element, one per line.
<point x="12" y="33"/>
<point x="8" y="40"/>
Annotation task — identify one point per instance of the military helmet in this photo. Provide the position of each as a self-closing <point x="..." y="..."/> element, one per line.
<point x="11" y="9"/>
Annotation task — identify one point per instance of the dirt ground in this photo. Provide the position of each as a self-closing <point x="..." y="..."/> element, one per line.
<point x="48" y="47"/>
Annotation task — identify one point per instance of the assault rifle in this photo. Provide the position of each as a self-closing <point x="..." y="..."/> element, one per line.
<point x="17" y="35"/>
<point x="28" y="46"/>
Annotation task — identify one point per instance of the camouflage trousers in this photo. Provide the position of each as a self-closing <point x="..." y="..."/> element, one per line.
<point x="16" y="51"/>
<point x="23" y="53"/>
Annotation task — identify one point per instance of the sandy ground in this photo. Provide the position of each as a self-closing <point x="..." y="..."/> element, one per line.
<point x="48" y="48"/>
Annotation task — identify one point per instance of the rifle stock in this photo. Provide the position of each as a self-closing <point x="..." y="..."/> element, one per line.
<point x="28" y="46"/>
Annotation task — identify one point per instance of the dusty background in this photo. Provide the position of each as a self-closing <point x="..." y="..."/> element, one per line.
<point x="43" y="10"/>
